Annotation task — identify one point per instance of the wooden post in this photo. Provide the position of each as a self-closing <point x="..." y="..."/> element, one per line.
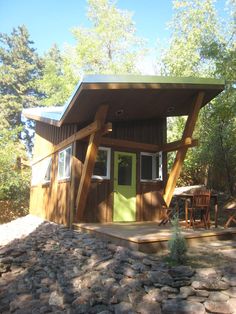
<point x="89" y="162"/>
<point x="181" y="153"/>
<point x="72" y="186"/>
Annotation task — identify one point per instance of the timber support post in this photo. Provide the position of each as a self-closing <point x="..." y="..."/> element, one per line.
<point x="72" y="186"/>
<point x="91" y="154"/>
<point x="181" y="152"/>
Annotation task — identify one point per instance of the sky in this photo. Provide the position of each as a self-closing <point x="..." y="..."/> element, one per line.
<point x="50" y="21"/>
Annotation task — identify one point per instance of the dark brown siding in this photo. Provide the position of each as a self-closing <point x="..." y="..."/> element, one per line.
<point x="99" y="203"/>
<point x="54" y="134"/>
<point x="53" y="201"/>
<point x="148" y="208"/>
<point x="146" y="131"/>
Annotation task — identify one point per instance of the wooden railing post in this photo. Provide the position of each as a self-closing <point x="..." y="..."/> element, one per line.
<point x="181" y="153"/>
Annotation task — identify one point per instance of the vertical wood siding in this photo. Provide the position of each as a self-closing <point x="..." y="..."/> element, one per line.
<point x="52" y="201"/>
<point x="149" y="208"/>
<point x="146" y="131"/>
<point x="100" y="198"/>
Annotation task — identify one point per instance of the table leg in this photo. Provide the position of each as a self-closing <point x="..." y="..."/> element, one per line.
<point x="208" y="218"/>
<point x="186" y="213"/>
<point x="216" y="215"/>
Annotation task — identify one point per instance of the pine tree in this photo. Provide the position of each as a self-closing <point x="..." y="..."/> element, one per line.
<point x="20" y="67"/>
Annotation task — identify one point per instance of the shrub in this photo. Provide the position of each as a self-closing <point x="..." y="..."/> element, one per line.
<point x="14" y="178"/>
<point x="177" y="244"/>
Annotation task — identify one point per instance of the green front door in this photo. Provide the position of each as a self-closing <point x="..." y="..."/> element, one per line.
<point x="124" y="187"/>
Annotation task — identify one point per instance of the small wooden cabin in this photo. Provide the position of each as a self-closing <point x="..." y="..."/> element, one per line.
<point x="103" y="156"/>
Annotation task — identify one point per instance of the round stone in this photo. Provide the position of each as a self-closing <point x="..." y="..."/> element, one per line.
<point x="231" y="292"/>
<point x="218" y="296"/>
<point x="148" y="308"/>
<point x="218" y="307"/>
<point x="182" y="307"/>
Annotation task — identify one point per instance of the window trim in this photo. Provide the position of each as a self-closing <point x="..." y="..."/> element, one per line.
<point x="64" y="168"/>
<point x="154" y="166"/>
<point x="108" y="168"/>
<point x="35" y="181"/>
<point x="160" y="172"/>
<point x="49" y="164"/>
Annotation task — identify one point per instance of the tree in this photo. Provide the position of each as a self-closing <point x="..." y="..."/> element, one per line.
<point x="220" y="119"/>
<point x="193" y="25"/>
<point x="201" y="46"/>
<point x="20" y="67"/>
<point x="110" y="45"/>
<point x="14" y="179"/>
<point x="55" y="85"/>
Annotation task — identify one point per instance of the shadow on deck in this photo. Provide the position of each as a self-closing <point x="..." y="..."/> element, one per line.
<point x="149" y="237"/>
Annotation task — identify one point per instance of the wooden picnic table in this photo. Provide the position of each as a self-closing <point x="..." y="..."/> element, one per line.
<point x="188" y="198"/>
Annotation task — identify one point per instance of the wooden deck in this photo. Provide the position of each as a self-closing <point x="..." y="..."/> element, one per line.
<point x="149" y="237"/>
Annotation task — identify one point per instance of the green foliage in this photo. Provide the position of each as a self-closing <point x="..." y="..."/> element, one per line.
<point x="14" y="179"/>
<point x="193" y="25"/>
<point x="55" y="85"/>
<point x="110" y="45"/>
<point x="202" y="46"/>
<point x="20" y="67"/>
<point x="177" y="244"/>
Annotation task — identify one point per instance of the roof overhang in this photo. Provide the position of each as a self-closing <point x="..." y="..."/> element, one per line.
<point x="129" y="98"/>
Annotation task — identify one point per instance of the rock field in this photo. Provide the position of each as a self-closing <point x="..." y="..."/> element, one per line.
<point x="47" y="268"/>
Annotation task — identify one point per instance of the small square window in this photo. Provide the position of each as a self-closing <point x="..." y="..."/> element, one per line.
<point x="146" y="167"/>
<point x="64" y="163"/>
<point x="150" y="166"/>
<point x="102" y="164"/>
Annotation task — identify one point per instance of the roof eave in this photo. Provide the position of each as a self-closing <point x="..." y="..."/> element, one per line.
<point x="129" y="82"/>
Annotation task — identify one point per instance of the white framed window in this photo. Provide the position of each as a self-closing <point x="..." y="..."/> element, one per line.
<point x="35" y="178"/>
<point x="47" y="168"/>
<point x="102" y="165"/>
<point x="64" y="163"/>
<point x="151" y="166"/>
<point x="41" y="172"/>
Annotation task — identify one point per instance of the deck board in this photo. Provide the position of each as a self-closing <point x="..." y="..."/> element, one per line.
<point x="149" y="236"/>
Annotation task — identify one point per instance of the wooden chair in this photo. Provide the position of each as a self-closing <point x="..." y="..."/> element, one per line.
<point x="167" y="212"/>
<point x="201" y="204"/>
<point x="230" y="209"/>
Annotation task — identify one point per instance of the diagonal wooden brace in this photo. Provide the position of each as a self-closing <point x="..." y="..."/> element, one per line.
<point x="181" y="153"/>
<point x="91" y="154"/>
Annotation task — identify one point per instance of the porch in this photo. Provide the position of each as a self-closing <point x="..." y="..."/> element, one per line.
<point x="149" y="237"/>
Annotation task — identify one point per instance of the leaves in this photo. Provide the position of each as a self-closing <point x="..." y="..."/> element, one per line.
<point x="54" y="84"/>
<point x="20" y="67"/>
<point x="201" y="46"/>
<point x="14" y="180"/>
<point x="110" y="45"/>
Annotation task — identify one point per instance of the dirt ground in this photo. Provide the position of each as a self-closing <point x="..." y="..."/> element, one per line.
<point x="8" y="212"/>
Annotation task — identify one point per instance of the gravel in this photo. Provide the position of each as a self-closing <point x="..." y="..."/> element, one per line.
<point x="18" y="228"/>
<point x="48" y="268"/>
